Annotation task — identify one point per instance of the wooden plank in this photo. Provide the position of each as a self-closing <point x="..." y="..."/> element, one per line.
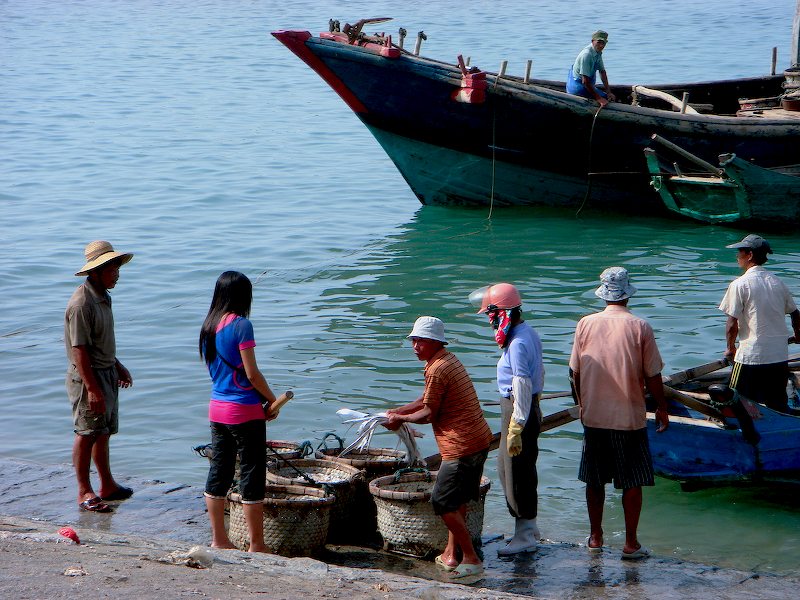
<point x="562" y="417"/>
<point x="694" y="372"/>
<point x="693" y="403"/>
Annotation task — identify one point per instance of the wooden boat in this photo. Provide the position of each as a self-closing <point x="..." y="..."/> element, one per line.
<point x="705" y="445"/>
<point x="463" y="136"/>
<point x="736" y="191"/>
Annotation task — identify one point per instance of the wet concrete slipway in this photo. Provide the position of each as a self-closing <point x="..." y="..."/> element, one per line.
<point x="139" y="551"/>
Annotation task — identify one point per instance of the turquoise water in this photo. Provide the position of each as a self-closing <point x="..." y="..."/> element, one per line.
<point x="183" y="132"/>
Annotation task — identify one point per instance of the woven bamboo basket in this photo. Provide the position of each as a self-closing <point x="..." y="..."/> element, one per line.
<point x="342" y="481"/>
<point x="405" y="515"/>
<point x="375" y="462"/>
<point x="285" y="449"/>
<point x="296" y="520"/>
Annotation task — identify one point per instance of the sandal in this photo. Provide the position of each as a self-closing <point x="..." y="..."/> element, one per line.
<point x="95" y="505"/>
<point x="467" y="570"/>
<point x="121" y="493"/>
<point x="440" y="562"/>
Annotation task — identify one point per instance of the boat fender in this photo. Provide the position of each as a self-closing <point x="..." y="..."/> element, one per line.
<point x="473" y="85"/>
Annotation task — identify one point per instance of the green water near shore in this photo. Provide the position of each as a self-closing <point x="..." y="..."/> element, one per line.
<point x="182" y="132"/>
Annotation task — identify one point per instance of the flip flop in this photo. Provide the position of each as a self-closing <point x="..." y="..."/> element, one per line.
<point x="95" y="505"/>
<point x="440" y="562"/>
<point x="593" y="549"/>
<point x="641" y="552"/>
<point x="467" y="570"/>
<point x="121" y="493"/>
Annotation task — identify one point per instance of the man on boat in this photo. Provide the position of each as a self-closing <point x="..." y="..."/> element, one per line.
<point x="95" y="374"/>
<point x="583" y="73"/>
<point x="450" y="404"/>
<point x="520" y="379"/>
<point x="757" y="304"/>
<point x="614" y="358"/>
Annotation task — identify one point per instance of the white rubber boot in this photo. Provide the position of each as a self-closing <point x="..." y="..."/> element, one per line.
<point x="526" y="538"/>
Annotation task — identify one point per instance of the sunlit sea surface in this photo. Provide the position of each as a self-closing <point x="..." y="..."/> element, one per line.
<point x="183" y="132"/>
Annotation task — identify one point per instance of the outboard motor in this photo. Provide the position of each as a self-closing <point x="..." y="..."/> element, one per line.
<point x="724" y="397"/>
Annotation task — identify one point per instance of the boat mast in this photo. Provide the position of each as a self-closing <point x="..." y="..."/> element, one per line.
<point x="795" y="57"/>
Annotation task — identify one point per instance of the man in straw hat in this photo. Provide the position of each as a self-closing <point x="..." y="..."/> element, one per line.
<point x="449" y="403"/>
<point x="757" y="304"/>
<point x="614" y="358"/>
<point x="583" y="73"/>
<point x="95" y="374"/>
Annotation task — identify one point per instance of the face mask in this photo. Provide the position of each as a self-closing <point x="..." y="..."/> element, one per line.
<point x="501" y="323"/>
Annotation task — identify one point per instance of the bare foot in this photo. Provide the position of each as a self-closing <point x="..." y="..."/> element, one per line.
<point x="224" y="546"/>
<point x="594" y="541"/>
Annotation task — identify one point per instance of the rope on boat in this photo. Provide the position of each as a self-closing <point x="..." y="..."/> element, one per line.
<point x="589" y="163"/>
<point x="494" y="150"/>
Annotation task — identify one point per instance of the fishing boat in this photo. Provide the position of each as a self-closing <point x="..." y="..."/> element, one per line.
<point x="709" y="443"/>
<point x="460" y="135"/>
<point x="734" y="192"/>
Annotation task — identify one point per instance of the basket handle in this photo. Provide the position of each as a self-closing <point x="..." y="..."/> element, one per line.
<point x="305" y="449"/>
<point x="324" y="442"/>
<point x="400" y="472"/>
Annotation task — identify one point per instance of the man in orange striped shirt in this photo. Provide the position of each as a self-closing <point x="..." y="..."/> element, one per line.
<point x="450" y="404"/>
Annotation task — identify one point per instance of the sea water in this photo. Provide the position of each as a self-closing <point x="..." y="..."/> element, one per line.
<point x="183" y="132"/>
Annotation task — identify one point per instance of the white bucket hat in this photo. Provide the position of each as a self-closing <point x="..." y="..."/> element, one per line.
<point x="429" y="328"/>
<point x="614" y="285"/>
<point x="99" y="253"/>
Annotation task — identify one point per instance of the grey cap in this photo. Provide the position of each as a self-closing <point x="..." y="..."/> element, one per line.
<point x="429" y="328"/>
<point x="752" y="242"/>
<point x="615" y="285"/>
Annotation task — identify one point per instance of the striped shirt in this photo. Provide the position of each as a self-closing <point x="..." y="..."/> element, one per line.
<point x="456" y="415"/>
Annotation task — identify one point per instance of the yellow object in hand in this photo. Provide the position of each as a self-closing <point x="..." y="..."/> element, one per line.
<point x="514" y="438"/>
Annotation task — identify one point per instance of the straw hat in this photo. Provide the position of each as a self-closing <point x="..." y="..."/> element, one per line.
<point x="99" y="253"/>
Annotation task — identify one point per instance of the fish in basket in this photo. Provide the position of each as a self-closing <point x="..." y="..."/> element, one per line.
<point x="405" y="515"/>
<point x="338" y="479"/>
<point x="296" y="519"/>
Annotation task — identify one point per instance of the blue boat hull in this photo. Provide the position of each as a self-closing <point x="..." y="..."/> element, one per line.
<point x="699" y="450"/>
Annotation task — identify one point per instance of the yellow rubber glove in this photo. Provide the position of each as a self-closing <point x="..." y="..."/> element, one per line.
<point x="514" y="439"/>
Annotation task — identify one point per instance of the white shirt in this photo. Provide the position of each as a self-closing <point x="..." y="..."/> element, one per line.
<point x="759" y="301"/>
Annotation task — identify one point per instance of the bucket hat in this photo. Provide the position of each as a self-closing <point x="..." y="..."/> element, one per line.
<point x="99" y="253"/>
<point x="429" y="328"/>
<point x="615" y="285"/>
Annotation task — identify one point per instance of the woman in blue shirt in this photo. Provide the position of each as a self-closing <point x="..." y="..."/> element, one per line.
<point x="236" y="413"/>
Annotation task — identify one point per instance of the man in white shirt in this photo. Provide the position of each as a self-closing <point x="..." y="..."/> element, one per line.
<point x="757" y="304"/>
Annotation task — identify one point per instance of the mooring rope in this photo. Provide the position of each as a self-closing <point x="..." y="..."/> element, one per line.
<point x="589" y="163"/>
<point x="494" y="150"/>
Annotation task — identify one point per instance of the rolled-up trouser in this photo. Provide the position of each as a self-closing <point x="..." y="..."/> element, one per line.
<point x="518" y="474"/>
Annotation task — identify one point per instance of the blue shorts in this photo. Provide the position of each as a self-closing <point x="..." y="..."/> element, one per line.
<point x="575" y="87"/>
